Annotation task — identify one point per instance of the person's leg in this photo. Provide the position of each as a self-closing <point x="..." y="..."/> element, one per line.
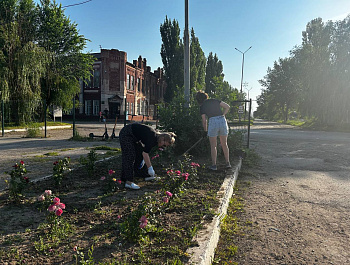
<point x="213" y="149"/>
<point x="223" y="134"/>
<point x="128" y="155"/>
<point x="225" y="149"/>
<point x="213" y="130"/>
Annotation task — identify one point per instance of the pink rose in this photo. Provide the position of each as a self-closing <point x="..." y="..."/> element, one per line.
<point x="143" y="221"/>
<point x="119" y="181"/>
<point x="185" y="175"/>
<point x="193" y="164"/>
<point x="52" y="208"/>
<point x="48" y="192"/>
<point x="61" y="205"/>
<point x="165" y="199"/>
<point x="169" y="194"/>
<point x="59" y="212"/>
<point x="111" y="172"/>
<point x="41" y="198"/>
<point x="56" y="200"/>
<point x="178" y="172"/>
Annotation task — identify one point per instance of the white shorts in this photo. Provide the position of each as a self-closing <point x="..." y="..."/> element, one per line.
<point x="217" y="126"/>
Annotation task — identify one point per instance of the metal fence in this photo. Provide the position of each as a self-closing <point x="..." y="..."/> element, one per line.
<point x="22" y="114"/>
<point x="242" y="120"/>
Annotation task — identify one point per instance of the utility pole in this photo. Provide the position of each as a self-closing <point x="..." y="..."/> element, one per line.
<point x="187" y="58"/>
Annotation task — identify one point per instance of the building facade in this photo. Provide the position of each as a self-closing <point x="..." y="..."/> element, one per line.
<point x="117" y="87"/>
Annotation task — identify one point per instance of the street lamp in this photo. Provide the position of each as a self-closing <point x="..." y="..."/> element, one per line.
<point x="248" y="91"/>
<point x="242" y="64"/>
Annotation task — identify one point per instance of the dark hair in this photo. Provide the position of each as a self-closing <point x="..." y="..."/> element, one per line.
<point x="201" y="97"/>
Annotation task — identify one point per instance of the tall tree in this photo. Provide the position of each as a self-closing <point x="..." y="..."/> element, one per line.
<point x="172" y="54"/>
<point x="340" y="59"/>
<point x="214" y="68"/>
<point x="198" y="63"/>
<point x="22" y="61"/>
<point x="282" y="84"/>
<point x="314" y="58"/>
<point x="60" y="38"/>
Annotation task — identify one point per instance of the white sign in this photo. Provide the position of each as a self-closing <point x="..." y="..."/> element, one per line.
<point x="57" y="112"/>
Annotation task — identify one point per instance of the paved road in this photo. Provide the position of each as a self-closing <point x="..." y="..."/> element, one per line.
<point x="300" y="197"/>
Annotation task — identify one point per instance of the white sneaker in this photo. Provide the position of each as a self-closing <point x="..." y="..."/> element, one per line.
<point x="132" y="186"/>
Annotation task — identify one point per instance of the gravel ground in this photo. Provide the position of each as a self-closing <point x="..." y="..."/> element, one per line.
<point x="299" y="198"/>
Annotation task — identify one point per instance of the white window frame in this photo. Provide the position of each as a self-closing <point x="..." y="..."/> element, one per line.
<point x="88" y="107"/>
<point x="96" y="107"/>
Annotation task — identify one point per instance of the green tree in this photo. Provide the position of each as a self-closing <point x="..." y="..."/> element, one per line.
<point x="314" y="58"/>
<point x="172" y="53"/>
<point x="282" y="84"/>
<point x="198" y="63"/>
<point x="22" y="61"/>
<point x="60" y="38"/>
<point x="213" y="69"/>
<point x="340" y="59"/>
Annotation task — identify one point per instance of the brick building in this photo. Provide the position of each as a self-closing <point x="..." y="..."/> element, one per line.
<point x="117" y="85"/>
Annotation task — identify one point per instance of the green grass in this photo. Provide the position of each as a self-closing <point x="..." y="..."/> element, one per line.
<point x="52" y="154"/>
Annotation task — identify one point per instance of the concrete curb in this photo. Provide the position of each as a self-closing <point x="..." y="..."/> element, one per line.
<point x="41" y="128"/>
<point x="208" y="237"/>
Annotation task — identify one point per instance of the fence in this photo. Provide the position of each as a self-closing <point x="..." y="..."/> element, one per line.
<point x="242" y="120"/>
<point x="23" y="114"/>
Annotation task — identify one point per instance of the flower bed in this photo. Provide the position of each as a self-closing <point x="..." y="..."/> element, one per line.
<point x="100" y="222"/>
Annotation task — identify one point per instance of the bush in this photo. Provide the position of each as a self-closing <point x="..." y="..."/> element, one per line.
<point x="184" y="122"/>
<point x="33" y="130"/>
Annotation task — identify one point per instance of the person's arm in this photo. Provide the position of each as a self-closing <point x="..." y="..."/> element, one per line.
<point x="204" y="122"/>
<point x="147" y="159"/>
<point x="150" y="169"/>
<point x="225" y="106"/>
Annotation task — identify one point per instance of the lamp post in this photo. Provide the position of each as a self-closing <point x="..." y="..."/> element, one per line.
<point x="242" y="65"/>
<point x="248" y="92"/>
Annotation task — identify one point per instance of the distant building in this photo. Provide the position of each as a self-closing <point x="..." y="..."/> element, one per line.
<point x="117" y="85"/>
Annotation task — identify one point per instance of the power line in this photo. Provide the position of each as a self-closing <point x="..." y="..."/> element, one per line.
<point x="77" y="4"/>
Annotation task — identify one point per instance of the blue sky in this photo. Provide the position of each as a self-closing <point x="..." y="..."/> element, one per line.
<point x="271" y="27"/>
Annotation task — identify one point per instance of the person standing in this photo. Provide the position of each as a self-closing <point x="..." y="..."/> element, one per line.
<point x="214" y="110"/>
<point x="136" y="142"/>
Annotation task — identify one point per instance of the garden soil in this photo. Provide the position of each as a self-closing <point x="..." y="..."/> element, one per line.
<point x="297" y="201"/>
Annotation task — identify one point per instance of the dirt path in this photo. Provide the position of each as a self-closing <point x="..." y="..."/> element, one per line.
<point x="299" y="198"/>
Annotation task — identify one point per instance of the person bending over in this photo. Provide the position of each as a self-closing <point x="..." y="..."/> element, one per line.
<point x="136" y="142"/>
